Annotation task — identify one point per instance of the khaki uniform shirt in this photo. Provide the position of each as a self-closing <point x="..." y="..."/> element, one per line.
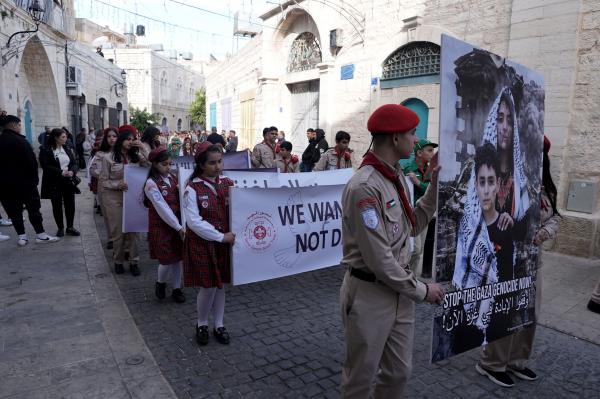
<point x="263" y="156"/>
<point x="329" y="160"/>
<point x="375" y="230"/>
<point x="113" y="173"/>
<point x="291" y="166"/>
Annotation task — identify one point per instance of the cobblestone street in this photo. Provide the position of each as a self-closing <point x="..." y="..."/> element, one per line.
<point x="287" y="341"/>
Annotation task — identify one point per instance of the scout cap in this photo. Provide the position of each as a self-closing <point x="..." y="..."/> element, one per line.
<point x="128" y="128"/>
<point x="423" y="143"/>
<point x="392" y="118"/>
<point x="156" y="152"/>
<point x="202" y="148"/>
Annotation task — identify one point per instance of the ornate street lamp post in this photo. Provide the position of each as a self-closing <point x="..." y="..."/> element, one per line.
<point x="36" y="12"/>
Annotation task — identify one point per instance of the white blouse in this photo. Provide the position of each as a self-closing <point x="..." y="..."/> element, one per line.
<point x="62" y="157"/>
<point x="192" y="215"/>
<point x="162" y="208"/>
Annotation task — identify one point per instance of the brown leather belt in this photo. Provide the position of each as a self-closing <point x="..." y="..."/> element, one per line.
<point x="363" y="275"/>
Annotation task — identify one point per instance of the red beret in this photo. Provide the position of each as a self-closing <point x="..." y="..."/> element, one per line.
<point x="392" y="118"/>
<point x="547" y="144"/>
<point x="202" y="147"/>
<point x="156" y="152"/>
<point x="127" y="128"/>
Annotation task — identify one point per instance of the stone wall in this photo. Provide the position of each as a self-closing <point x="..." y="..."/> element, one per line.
<point x="145" y="69"/>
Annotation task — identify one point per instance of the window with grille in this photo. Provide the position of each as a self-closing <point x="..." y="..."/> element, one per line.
<point x="413" y="59"/>
<point x="305" y="53"/>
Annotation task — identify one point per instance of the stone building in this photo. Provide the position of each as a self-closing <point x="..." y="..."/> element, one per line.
<point x="160" y="84"/>
<point x="330" y="64"/>
<point x="49" y="79"/>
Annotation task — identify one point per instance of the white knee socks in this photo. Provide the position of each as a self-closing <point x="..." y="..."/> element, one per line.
<point x="174" y="269"/>
<point x="207" y="299"/>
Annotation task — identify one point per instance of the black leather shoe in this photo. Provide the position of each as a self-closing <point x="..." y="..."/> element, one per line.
<point x="593" y="306"/>
<point x="202" y="335"/>
<point x="160" y="290"/>
<point x="60" y="233"/>
<point x="134" y="269"/>
<point x="72" y="232"/>
<point x="221" y="335"/>
<point x="119" y="269"/>
<point x="178" y="295"/>
<point x="109" y="245"/>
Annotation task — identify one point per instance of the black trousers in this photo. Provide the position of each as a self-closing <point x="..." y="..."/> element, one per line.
<point x="13" y="205"/>
<point x="64" y="197"/>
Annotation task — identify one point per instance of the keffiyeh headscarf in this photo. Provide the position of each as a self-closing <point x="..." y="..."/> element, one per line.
<point x="475" y="262"/>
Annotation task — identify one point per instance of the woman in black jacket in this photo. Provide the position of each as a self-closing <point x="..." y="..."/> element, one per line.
<point x="58" y="181"/>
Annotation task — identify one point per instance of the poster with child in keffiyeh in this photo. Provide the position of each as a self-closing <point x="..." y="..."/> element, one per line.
<point x="491" y="137"/>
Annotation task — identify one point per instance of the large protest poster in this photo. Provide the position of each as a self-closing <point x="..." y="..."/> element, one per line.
<point x="284" y="231"/>
<point x="231" y="160"/>
<point x="491" y="135"/>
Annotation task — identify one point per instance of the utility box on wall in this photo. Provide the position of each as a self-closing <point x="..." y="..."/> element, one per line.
<point x="582" y="196"/>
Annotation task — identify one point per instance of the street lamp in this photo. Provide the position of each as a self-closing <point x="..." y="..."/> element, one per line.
<point x="36" y="12"/>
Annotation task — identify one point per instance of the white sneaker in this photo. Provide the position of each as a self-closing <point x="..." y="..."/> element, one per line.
<point x="22" y="241"/>
<point x="4" y="237"/>
<point x="46" y="239"/>
<point x="5" y="222"/>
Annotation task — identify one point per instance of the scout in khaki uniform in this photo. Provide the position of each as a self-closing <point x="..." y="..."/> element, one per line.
<point x="285" y="161"/>
<point x="337" y="157"/>
<point x="263" y="154"/>
<point x="379" y="291"/>
<point x="418" y="172"/>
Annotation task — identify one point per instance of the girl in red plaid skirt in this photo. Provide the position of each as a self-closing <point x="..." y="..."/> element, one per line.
<point x="165" y="232"/>
<point x="208" y="240"/>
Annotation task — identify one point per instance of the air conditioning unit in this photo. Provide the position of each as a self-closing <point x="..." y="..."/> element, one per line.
<point x="74" y="89"/>
<point x="74" y="75"/>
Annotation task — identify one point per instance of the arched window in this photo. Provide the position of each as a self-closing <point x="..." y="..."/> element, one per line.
<point x="162" y="90"/>
<point x="305" y="53"/>
<point x="179" y="124"/>
<point x="412" y="60"/>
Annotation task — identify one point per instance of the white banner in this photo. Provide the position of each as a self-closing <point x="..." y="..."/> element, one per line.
<point x="135" y="214"/>
<point x="285" y="231"/>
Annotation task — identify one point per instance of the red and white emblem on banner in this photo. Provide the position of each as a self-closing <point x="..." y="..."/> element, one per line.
<point x="259" y="232"/>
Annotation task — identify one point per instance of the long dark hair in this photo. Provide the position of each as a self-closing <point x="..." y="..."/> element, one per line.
<point x="54" y="134"/>
<point x="132" y="153"/>
<point x="549" y="186"/>
<point x="201" y="160"/>
<point x="153" y="173"/>
<point x="104" y="146"/>
<point x="149" y="136"/>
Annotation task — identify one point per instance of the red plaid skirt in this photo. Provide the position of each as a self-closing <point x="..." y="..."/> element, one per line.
<point x="205" y="263"/>
<point x="164" y="242"/>
<point x="94" y="185"/>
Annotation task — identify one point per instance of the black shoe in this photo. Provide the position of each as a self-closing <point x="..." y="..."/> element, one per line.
<point x="119" y="269"/>
<point x="60" y="233"/>
<point x="98" y="211"/>
<point x="134" y="269"/>
<point x="221" y="335"/>
<point x="178" y="295"/>
<point x="593" y="306"/>
<point x="524" y="373"/>
<point x="202" y="335"/>
<point x="127" y="255"/>
<point x="160" y="290"/>
<point x="72" y="232"/>
<point x="109" y="245"/>
<point x="497" y="377"/>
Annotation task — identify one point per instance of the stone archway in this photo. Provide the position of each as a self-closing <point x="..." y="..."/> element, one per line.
<point x="38" y="86"/>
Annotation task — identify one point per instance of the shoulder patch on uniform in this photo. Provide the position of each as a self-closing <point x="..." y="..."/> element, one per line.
<point x="370" y="219"/>
<point x="366" y="202"/>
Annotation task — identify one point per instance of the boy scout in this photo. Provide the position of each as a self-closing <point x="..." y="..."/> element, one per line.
<point x="418" y="172"/>
<point x="379" y="290"/>
<point x="263" y="154"/>
<point x="337" y="157"/>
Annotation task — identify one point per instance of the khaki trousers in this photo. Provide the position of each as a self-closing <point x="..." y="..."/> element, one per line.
<point x="112" y="202"/>
<point x="416" y="259"/>
<point x="379" y="330"/>
<point x="515" y="349"/>
<point x="596" y="293"/>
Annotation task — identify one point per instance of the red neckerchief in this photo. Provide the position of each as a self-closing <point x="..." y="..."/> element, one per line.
<point x="371" y="159"/>
<point x="272" y="148"/>
<point x="339" y="156"/>
<point x="286" y="162"/>
<point x="212" y="183"/>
